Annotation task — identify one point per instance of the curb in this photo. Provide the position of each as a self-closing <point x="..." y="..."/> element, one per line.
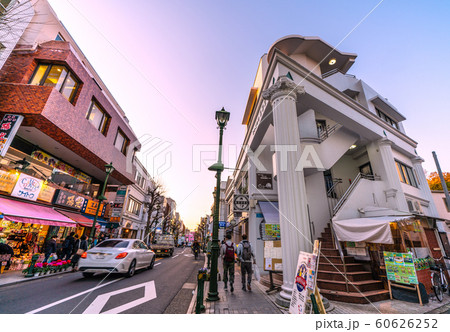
<point x="33" y="278"/>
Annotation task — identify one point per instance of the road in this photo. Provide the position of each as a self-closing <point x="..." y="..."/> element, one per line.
<point x="167" y="288"/>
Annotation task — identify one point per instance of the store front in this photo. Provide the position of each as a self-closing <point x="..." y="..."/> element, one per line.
<point x="84" y="224"/>
<point x="128" y="231"/>
<point x="25" y="227"/>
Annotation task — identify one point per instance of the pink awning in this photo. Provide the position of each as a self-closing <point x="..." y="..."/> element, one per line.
<point x="79" y="218"/>
<point x="33" y="214"/>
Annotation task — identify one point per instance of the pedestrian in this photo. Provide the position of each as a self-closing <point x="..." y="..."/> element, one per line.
<point x="68" y="244"/>
<point x="82" y="246"/>
<point x="5" y="249"/>
<point x="246" y="257"/>
<point x="50" y="247"/>
<point x="76" y="245"/>
<point x="227" y="253"/>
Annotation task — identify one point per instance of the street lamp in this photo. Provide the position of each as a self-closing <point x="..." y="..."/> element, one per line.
<point x="109" y="168"/>
<point x="222" y="118"/>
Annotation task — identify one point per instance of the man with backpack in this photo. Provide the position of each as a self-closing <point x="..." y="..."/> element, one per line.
<point x="246" y="257"/>
<point x="227" y="252"/>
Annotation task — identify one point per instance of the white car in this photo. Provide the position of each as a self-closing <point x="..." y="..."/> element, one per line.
<point x="117" y="256"/>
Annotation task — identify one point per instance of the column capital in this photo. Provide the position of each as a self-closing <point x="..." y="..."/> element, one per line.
<point x="283" y="87"/>
<point x="384" y="141"/>
<point x="417" y="160"/>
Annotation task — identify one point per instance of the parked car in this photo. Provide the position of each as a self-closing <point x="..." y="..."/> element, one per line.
<point x="117" y="256"/>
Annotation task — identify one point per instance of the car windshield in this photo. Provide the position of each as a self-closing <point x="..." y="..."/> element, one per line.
<point x="113" y="244"/>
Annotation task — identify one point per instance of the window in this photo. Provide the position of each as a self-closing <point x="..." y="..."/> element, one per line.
<point x="57" y="76"/>
<point x="134" y="206"/>
<point x="113" y="244"/>
<point x="3" y="5"/>
<point x="406" y="174"/>
<point x="387" y="119"/>
<point x="121" y="142"/>
<point x="97" y="117"/>
<point x="140" y="180"/>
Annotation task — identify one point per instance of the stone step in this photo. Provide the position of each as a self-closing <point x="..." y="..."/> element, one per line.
<point x="354" y="286"/>
<point x="339" y="276"/>
<point x="356" y="297"/>
<point x="350" y="267"/>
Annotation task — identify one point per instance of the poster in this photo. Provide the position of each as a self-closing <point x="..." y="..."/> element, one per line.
<point x="300" y="290"/>
<point x="273" y="256"/>
<point x="27" y="187"/>
<point x="264" y="181"/>
<point x="400" y="268"/>
<point x="272" y="231"/>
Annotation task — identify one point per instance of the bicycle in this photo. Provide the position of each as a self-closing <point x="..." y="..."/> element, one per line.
<point x="438" y="280"/>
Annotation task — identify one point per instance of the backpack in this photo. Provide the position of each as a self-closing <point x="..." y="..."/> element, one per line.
<point x="229" y="253"/>
<point x="246" y="251"/>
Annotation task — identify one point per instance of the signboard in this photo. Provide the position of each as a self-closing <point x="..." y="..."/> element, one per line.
<point x="273" y="256"/>
<point x="68" y="199"/>
<point x="222" y="224"/>
<point x="264" y="181"/>
<point x="7" y="181"/>
<point x="90" y="207"/>
<point x="118" y="204"/>
<point x="272" y="232"/>
<point x="400" y="268"/>
<point x="27" y="187"/>
<point x="46" y="194"/>
<point x="8" y="129"/>
<point x="241" y="203"/>
<point x="300" y="289"/>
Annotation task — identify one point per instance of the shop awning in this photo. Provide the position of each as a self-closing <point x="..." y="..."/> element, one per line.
<point x="80" y="219"/>
<point x="375" y="230"/>
<point x="16" y="211"/>
<point x="270" y="212"/>
<point x="100" y="221"/>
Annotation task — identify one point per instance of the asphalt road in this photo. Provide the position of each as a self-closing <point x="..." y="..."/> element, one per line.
<point x="167" y="288"/>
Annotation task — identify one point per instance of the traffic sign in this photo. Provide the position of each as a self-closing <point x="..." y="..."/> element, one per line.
<point x="241" y="203"/>
<point x="222" y="224"/>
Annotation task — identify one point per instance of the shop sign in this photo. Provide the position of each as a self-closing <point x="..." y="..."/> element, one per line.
<point x="90" y="207"/>
<point x="27" y="187"/>
<point x="241" y="203"/>
<point x="51" y="161"/>
<point x="46" y="193"/>
<point x="8" y="129"/>
<point x="400" y="268"/>
<point x="222" y="224"/>
<point x="300" y="290"/>
<point x="118" y="202"/>
<point x="68" y="199"/>
<point x="7" y="181"/>
<point x="264" y="181"/>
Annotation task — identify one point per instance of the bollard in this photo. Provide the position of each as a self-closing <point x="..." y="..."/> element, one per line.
<point x="31" y="266"/>
<point x="201" y="277"/>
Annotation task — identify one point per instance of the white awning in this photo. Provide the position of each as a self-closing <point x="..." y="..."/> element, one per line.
<point x="375" y="230"/>
<point x="270" y="212"/>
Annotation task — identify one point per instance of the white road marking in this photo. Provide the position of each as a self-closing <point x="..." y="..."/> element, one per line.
<point x="175" y="256"/>
<point x="189" y="255"/>
<point x="156" y="264"/>
<point x="71" y="297"/>
<point x="99" y="303"/>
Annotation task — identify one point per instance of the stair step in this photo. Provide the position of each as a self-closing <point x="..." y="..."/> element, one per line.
<point x="336" y="259"/>
<point x="325" y="240"/>
<point x="329" y="252"/>
<point x="356" y="297"/>
<point x="351" y="267"/>
<point x="327" y="245"/>
<point x="339" y="276"/>
<point x="354" y="286"/>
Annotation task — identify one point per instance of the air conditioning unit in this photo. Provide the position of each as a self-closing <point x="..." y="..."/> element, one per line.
<point x="414" y="206"/>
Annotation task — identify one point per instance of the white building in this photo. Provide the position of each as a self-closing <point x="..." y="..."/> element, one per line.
<point x="323" y="145"/>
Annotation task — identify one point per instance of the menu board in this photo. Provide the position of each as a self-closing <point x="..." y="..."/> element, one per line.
<point x="400" y="268"/>
<point x="68" y="199"/>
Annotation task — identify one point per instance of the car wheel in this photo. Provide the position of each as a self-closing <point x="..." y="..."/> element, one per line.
<point x="152" y="263"/>
<point x="131" y="269"/>
<point x="88" y="274"/>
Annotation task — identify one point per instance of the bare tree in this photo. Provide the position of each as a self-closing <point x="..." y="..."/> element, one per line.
<point x="155" y="193"/>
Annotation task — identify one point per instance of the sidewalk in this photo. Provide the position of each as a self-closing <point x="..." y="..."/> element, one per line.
<point x="15" y="277"/>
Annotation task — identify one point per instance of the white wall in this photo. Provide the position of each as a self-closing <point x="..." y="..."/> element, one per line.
<point x="317" y="202"/>
<point x="438" y="198"/>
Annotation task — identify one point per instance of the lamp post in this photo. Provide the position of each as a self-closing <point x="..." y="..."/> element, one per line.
<point x="222" y="118"/>
<point x="109" y="169"/>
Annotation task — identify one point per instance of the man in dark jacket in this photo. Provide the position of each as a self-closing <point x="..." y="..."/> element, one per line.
<point x="68" y="244"/>
<point x="83" y="245"/>
<point x="50" y="247"/>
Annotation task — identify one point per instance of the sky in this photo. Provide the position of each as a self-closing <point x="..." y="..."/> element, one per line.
<point x="172" y="64"/>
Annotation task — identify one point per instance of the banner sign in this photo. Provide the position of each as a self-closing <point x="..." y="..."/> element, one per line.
<point x="27" y="187"/>
<point x="300" y="290"/>
<point x="90" y="207"/>
<point x="59" y="165"/>
<point x="68" y="199"/>
<point x="8" y="129"/>
<point x="118" y="203"/>
<point x="400" y="268"/>
<point x="7" y="181"/>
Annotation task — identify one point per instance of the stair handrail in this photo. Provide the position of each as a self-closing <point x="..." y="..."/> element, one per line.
<point x="336" y="182"/>
<point x="328" y="132"/>
<point x="337" y="244"/>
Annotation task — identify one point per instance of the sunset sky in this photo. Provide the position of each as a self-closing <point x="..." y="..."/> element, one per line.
<point x="172" y="64"/>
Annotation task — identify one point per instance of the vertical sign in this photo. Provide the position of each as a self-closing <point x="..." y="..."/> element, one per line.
<point x="118" y="204"/>
<point x="8" y="129"/>
<point x="300" y="290"/>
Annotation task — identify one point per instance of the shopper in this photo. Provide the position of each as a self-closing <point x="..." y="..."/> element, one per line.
<point x="50" y="247"/>
<point x="82" y="246"/>
<point x="227" y="253"/>
<point x="68" y="245"/>
<point x="246" y="257"/>
<point x="76" y="245"/>
<point x="5" y="249"/>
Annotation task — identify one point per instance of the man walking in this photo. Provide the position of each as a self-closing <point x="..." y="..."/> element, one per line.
<point x="246" y="257"/>
<point x="227" y="253"/>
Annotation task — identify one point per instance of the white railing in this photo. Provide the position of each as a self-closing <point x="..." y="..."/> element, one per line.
<point x="328" y="132"/>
